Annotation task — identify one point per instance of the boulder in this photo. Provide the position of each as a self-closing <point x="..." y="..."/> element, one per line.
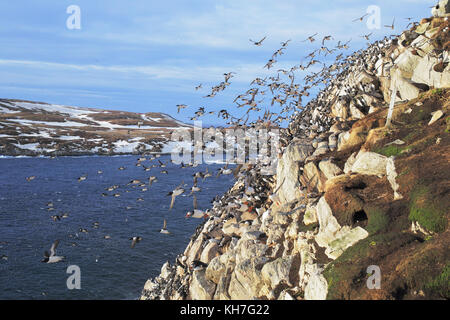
<point x="345" y="239"/>
<point x="425" y="73"/>
<point x="215" y="269"/>
<point x="350" y="162"/>
<point x="317" y="286"/>
<point x="246" y="280"/>
<point x="310" y="216"/>
<point x="334" y="238"/>
<point x="329" y="169"/>
<point x="200" y="288"/>
<point x="312" y="178"/>
<point x="405" y="87"/>
<point x="166" y="270"/>
<point x="195" y="250"/>
<point x="370" y="163"/>
<point x="355" y="112"/>
<point x="209" y="252"/>
<point x="288" y="171"/>
<point x="222" y="287"/>
<point x="436" y="116"/>
<point x="392" y="176"/>
<point x="277" y="271"/>
<point x="407" y="63"/>
<point x="340" y="109"/>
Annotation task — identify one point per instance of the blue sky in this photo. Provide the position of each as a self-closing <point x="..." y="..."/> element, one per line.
<point x="147" y="56"/>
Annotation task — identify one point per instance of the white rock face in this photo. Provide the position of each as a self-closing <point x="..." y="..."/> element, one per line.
<point x="350" y="162"/>
<point x="317" y="287"/>
<point x="277" y="271"/>
<point x="342" y="139"/>
<point x="246" y="280"/>
<point x="370" y="163"/>
<point x="407" y="90"/>
<point x="329" y="169"/>
<point x="310" y="216"/>
<point x="391" y="176"/>
<point x="165" y="270"/>
<point x="288" y="171"/>
<point x="209" y="252"/>
<point x="328" y="225"/>
<point x="355" y="112"/>
<point x="334" y="238"/>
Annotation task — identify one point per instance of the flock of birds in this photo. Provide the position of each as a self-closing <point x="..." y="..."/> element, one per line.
<point x="286" y="93"/>
<point x="155" y="164"/>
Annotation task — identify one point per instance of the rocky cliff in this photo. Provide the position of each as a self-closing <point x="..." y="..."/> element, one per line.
<point x="349" y="192"/>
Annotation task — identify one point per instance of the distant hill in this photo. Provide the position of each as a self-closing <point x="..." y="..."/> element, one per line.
<point x="38" y="128"/>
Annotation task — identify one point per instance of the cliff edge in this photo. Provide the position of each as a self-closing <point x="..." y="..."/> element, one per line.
<point x="351" y="194"/>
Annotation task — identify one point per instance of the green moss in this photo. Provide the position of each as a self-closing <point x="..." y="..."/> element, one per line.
<point x="405" y="172"/>
<point x="306" y="228"/>
<point x="426" y="210"/>
<point x="349" y="269"/>
<point x="378" y="220"/>
<point x="441" y="284"/>
<point x="437" y="91"/>
<point x="390" y="150"/>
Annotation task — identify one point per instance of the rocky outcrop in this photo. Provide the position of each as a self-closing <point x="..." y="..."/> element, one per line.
<point x="348" y="193"/>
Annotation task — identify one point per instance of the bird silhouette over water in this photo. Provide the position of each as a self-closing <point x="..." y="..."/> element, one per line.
<point x="52" y="257"/>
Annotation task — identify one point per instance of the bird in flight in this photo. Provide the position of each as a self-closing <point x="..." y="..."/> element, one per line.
<point x="176" y="192"/>
<point x="181" y="106"/>
<point x="326" y="38"/>
<point x="258" y="43"/>
<point x="285" y="43"/>
<point x="135" y="240"/>
<point x="391" y="26"/>
<point x="164" y="228"/>
<point x="366" y="36"/>
<point x="311" y="38"/>
<point x="198" y="87"/>
<point x="361" y="18"/>
<point x="52" y="257"/>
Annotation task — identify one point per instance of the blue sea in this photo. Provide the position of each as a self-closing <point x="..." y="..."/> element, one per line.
<point x="110" y="268"/>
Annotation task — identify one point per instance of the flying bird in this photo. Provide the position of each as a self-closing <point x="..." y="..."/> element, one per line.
<point x="176" y="192"/>
<point x="391" y="26"/>
<point x="258" y="43"/>
<point x="52" y="257"/>
<point x="135" y="240"/>
<point x="311" y="38"/>
<point x="181" y="106"/>
<point x="164" y="228"/>
<point x="360" y="18"/>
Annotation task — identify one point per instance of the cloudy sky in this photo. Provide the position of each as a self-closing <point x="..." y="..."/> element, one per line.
<point x="147" y="56"/>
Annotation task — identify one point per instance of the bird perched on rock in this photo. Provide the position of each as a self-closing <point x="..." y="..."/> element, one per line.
<point x="198" y="265"/>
